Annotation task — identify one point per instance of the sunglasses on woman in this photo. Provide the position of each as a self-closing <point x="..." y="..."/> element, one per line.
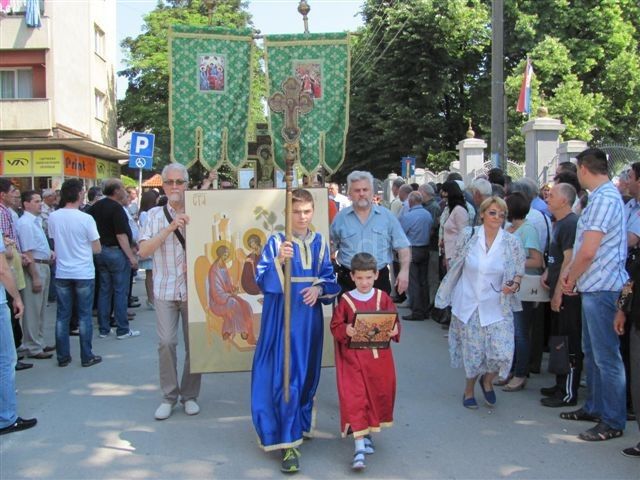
<point x="495" y="213"/>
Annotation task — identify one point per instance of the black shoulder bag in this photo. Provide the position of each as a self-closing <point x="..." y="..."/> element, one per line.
<point x="176" y="231"/>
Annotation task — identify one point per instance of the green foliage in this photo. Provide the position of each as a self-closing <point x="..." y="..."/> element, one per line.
<point x="422" y="67"/>
<point x="145" y="106"/>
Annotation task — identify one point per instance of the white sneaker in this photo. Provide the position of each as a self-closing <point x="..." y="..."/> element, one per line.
<point x="191" y="407"/>
<point x="163" y="411"/>
<point x="129" y="334"/>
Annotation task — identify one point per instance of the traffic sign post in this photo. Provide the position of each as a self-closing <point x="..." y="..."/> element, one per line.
<point x="141" y="155"/>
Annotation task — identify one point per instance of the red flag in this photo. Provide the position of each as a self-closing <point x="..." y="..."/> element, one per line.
<point x="524" y="100"/>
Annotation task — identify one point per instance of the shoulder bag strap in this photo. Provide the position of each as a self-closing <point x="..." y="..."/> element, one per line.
<point x="176" y="231"/>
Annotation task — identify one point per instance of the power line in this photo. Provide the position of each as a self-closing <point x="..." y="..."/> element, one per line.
<point x="362" y="73"/>
<point x="381" y="22"/>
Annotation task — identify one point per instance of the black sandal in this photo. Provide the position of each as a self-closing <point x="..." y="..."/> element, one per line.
<point x="600" y="432"/>
<point x="579" y="415"/>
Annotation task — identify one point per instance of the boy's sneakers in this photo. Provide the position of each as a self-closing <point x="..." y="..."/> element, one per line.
<point x="358" y="460"/>
<point x="129" y="334"/>
<point x="290" y="462"/>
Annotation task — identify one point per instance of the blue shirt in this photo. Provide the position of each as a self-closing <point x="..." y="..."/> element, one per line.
<point x="632" y="211"/>
<point x="417" y="223"/>
<point x="605" y="214"/>
<point x="379" y="235"/>
<point x="541" y="205"/>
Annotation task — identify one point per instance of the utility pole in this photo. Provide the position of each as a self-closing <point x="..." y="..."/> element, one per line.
<point x="498" y="117"/>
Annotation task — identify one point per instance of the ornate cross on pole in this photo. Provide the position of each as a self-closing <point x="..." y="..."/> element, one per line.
<point x="291" y="102"/>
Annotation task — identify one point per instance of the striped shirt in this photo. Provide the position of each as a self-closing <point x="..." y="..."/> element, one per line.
<point x="605" y="214"/>
<point x="169" y="260"/>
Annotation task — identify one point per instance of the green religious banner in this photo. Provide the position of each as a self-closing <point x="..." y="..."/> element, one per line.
<point x="209" y="95"/>
<point x="322" y="63"/>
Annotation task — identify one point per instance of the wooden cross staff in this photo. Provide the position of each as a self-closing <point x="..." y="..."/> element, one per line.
<point x="292" y="101"/>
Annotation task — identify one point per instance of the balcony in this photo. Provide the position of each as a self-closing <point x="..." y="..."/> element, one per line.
<point x="25" y="114"/>
<point x="14" y="33"/>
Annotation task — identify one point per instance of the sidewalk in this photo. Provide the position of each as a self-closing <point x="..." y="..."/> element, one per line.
<point x="97" y="423"/>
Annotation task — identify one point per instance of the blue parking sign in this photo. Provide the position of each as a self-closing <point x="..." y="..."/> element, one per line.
<point x="141" y="150"/>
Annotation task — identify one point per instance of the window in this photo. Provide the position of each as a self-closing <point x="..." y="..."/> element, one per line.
<point x="16" y="83"/>
<point x="99" y="101"/>
<point x="98" y="40"/>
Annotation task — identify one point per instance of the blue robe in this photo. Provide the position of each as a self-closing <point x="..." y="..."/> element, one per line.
<point x="279" y="424"/>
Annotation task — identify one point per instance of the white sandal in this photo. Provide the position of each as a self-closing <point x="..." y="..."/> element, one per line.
<point x="358" y="460"/>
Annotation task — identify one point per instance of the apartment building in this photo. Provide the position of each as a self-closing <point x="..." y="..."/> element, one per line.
<point x="57" y="91"/>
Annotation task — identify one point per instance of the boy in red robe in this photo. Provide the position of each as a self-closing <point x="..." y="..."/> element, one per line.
<point x="366" y="377"/>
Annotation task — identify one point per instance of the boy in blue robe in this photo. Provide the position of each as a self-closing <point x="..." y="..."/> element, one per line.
<point x="281" y="425"/>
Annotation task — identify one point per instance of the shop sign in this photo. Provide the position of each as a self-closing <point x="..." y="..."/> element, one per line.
<point x="47" y="163"/>
<point x="102" y="169"/>
<point x="17" y="163"/>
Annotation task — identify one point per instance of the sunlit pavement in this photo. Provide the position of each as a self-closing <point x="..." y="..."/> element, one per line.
<point x="98" y="422"/>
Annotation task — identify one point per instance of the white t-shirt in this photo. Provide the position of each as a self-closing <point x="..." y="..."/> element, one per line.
<point x="72" y="232"/>
<point x="543" y="226"/>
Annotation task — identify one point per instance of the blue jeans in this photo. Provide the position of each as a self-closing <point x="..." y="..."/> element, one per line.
<point x="522" y="328"/>
<point x="114" y="271"/>
<point x="606" y="382"/>
<point x="8" y="358"/>
<point x="69" y="293"/>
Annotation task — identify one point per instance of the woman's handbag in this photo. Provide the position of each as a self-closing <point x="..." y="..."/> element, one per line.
<point x="531" y="290"/>
<point x="559" y="355"/>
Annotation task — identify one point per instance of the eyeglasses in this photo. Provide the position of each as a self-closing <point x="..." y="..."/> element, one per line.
<point x="178" y="182"/>
<point x="495" y="213"/>
<point x="498" y="290"/>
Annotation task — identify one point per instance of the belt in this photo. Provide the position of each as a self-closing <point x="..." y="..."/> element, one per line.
<point x="110" y="246"/>
<point x="37" y="260"/>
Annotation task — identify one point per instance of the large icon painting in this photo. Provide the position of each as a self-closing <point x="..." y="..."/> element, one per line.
<point x="225" y="237"/>
<point x="211" y="73"/>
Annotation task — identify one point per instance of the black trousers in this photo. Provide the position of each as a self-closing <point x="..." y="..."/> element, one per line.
<point x="568" y="321"/>
<point x="15" y="323"/>
<point x="344" y="280"/>
<point x="418" y="281"/>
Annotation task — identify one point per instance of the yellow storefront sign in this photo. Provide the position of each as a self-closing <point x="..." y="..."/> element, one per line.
<point x="47" y="163"/>
<point x="114" y="170"/>
<point x="17" y="163"/>
<point x="102" y="169"/>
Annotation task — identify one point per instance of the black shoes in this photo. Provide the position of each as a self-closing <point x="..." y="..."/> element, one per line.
<point x="19" y="424"/>
<point x="413" y="317"/>
<point x="558" y="400"/>
<point x="92" y="361"/>
<point x="23" y="366"/>
<point x="65" y="362"/>
<point x="549" y="391"/>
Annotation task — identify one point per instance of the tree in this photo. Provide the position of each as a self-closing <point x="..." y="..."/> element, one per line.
<point x="145" y="106"/>
<point x="415" y="80"/>
<point x="421" y="68"/>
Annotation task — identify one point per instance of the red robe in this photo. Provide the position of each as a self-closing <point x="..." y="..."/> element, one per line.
<point x="366" y="384"/>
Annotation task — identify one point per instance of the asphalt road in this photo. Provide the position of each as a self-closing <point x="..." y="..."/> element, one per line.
<point x="97" y="423"/>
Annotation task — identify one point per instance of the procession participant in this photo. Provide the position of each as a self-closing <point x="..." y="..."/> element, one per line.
<point x="162" y="238"/>
<point x="365" y="227"/>
<point x="485" y="273"/>
<point x="597" y="273"/>
<point x="9" y="420"/>
<point x="281" y="425"/>
<point x="35" y="247"/>
<point x="366" y="377"/>
<point x="75" y="240"/>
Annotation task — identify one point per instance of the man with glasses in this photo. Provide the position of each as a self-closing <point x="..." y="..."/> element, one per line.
<point x="115" y="261"/>
<point x="162" y="238"/>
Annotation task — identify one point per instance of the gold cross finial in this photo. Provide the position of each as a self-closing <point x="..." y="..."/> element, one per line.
<point x="291" y="103"/>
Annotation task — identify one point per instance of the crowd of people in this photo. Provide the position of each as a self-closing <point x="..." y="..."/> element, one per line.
<point x="505" y="266"/>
